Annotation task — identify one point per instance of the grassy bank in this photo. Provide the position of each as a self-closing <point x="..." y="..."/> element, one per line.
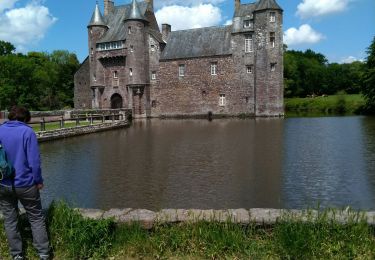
<point x="76" y="238"/>
<point x="330" y="105"/>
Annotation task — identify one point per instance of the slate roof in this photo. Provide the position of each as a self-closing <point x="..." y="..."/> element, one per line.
<point x="115" y="22"/>
<point x="267" y="4"/>
<point x="209" y="41"/>
<point x="135" y="13"/>
<point x="245" y="9"/>
<point x="97" y="18"/>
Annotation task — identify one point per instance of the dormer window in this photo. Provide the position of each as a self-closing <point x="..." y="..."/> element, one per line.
<point x="272" y="17"/>
<point x="247" y="24"/>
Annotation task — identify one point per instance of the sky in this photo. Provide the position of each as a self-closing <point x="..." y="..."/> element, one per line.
<point x="342" y="30"/>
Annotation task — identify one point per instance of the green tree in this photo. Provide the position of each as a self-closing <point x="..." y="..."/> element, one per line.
<point x="6" y="48"/>
<point x="368" y="88"/>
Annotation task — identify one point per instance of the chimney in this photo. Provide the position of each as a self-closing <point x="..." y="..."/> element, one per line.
<point x="166" y="30"/>
<point x="237" y="5"/>
<point x="109" y="7"/>
<point x="151" y="4"/>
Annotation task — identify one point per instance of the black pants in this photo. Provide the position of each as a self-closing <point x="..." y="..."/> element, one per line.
<point x="30" y="200"/>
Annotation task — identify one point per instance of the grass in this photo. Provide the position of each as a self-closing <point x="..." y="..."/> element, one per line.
<point x="332" y="105"/>
<point x="56" y="125"/>
<point x="74" y="237"/>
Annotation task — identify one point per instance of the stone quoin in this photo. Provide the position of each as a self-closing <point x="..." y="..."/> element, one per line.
<point x="229" y="70"/>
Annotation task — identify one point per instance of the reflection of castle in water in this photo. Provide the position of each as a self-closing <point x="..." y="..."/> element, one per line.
<point x="194" y="164"/>
<point x="231" y="70"/>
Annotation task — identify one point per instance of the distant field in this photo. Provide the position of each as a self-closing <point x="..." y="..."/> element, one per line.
<point x="331" y="105"/>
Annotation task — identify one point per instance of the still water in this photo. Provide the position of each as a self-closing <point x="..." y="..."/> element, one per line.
<point x="227" y="163"/>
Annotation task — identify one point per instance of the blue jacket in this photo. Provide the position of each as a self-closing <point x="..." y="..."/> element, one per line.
<point x="21" y="146"/>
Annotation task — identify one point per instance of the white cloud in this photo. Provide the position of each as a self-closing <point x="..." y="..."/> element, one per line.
<point x="182" y="17"/>
<point x="228" y="22"/>
<point x="350" y="59"/>
<point x="26" y="25"/>
<point x="163" y="3"/>
<point x="303" y="35"/>
<point x="6" y="4"/>
<point x="312" y="8"/>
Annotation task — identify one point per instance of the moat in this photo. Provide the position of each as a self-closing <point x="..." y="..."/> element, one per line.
<point x="226" y="163"/>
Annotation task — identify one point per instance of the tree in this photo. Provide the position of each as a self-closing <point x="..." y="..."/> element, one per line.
<point x="368" y="88"/>
<point x="6" y="48"/>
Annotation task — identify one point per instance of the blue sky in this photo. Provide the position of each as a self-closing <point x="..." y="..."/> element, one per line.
<point x="339" y="29"/>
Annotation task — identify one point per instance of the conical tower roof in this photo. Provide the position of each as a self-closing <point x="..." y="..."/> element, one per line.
<point x="135" y="13"/>
<point x="267" y="4"/>
<point x="97" y="18"/>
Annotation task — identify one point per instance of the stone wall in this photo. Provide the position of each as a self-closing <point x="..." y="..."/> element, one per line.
<point x="82" y="90"/>
<point x="198" y="92"/>
<point x="256" y="216"/>
<point x="80" y="130"/>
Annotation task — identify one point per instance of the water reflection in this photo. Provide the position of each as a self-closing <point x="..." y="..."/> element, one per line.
<point x="231" y="163"/>
<point x="324" y="163"/>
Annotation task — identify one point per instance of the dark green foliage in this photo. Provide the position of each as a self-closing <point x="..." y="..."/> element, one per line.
<point x="6" y="48"/>
<point x="40" y="81"/>
<point x="309" y="73"/>
<point x="368" y="88"/>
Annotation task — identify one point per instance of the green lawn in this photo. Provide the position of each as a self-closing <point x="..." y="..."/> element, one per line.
<point x="73" y="237"/>
<point x="331" y="105"/>
<point x="56" y="125"/>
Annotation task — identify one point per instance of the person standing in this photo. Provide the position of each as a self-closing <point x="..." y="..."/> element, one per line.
<point x="21" y="146"/>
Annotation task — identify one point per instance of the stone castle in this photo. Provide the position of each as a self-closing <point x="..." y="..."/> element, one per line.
<point x="230" y="70"/>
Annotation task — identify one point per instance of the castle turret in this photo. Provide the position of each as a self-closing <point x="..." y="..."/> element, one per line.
<point x="96" y="28"/>
<point x="268" y="58"/>
<point x="150" y="5"/>
<point x="137" y="60"/>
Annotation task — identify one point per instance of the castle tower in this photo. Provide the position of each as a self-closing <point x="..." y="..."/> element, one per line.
<point x="137" y="59"/>
<point x="96" y="28"/>
<point x="268" y="58"/>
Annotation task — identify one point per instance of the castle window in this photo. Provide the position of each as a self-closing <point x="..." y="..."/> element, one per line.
<point x="273" y="66"/>
<point x="153" y="75"/>
<point x="129" y="30"/>
<point x="115" y="74"/>
<point x="213" y="68"/>
<point x="249" y="69"/>
<point x="152" y="47"/>
<point x="94" y="77"/>
<point x="248" y="43"/>
<point x="222" y="100"/>
<point x="131" y="48"/>
<point x="181" y="70"/>
<point x="272" y="17"/>
<point x="272" y="39"/>
<point x="153" y="103"/>
<point x="92" y="51"/>
<point x="247" y="24"/>
<point x="130" y="72"/>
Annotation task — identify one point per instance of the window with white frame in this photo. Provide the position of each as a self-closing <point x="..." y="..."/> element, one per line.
<point x="213" y="68"/>
<point x="273" y="66"/>
<point x="130" y="72"/>
<point x="247" y="24"/>
<point x="249" y="69"/>
<point x="248" y="43"/>
<point x="272" y="39"/>
<point x="181" y="70"/>
<point x="153" y="75"/>
<point x="115" y="74"/>
<point x="272" y="17"/>
<point x="222" y="100"/>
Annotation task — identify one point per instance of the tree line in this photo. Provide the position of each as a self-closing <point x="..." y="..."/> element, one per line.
<point x="43" y="81"/>
<point x="38" y="80"/>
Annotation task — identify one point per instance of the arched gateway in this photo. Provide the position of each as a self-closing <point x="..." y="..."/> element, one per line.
<point x="116" y="101"/>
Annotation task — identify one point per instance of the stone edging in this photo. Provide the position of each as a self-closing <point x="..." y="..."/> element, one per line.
<point x="80" y="130"/>
<point x="257" y="216"/>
